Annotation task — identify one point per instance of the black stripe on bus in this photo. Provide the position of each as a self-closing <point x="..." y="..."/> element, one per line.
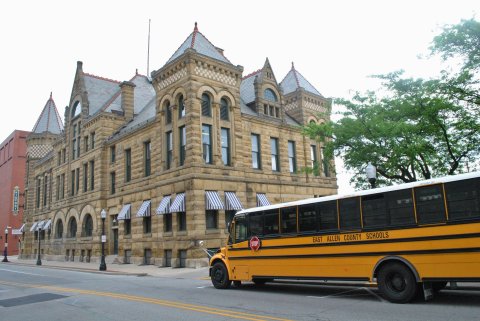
<point x="306" y="256"/>
<point x="376" y="241"/>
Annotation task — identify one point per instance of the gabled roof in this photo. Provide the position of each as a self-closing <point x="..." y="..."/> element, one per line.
<point x="294" y="80"/>
<point x="49" y="120"/>
<point x="200" y="43"/>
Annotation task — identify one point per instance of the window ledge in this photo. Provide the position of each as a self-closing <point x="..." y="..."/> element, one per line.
<point x="212" y="231"/>
<point x="181" y="233"/>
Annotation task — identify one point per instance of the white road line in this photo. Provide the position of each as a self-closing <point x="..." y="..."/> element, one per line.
<point x="375" y="295"/>
<point x="203" y="287"/>
<point x="335" y="294"/>
<point x="20" y="272"/>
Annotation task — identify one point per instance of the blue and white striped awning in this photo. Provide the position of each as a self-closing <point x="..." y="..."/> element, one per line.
<point x="40" y="225"/>
<point x="47" y="225"/>
<point x="164" y="207"/>
<point x="232" y="203"/>
<point x="144" y="210"/>
<point x="178" y="204"/>
<point x="213" y="201"/>
<point x="22" y="228"/>
<point x="34" y="227"/>
<point x="124" y="212"/>
<point x="262" y="200"/>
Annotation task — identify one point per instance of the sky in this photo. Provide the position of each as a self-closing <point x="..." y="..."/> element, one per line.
<point x="335" y="45"/>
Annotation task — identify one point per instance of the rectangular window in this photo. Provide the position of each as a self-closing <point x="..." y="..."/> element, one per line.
<point x="169" y="145"/>
<point x="313" y="158"/>
<point x="58" y="188"/>
<point x="463" y="199"/>
<point x="92" y="175"/>
<point x="430" y="204"/>
<point x="400" y="208"/>
<point x="64" y="155"/>
<point x="274" y="154"/>
<point x="292" y="161"/>
<point x="45" y="187"/>
<point x="74" y="148"/>
<point x="289" y="220"/>
<point x="307" y="218"/>
<point x="77" y="180"/>
<point x="374" y="211"/>
<point x="212" y="219"/>
<point x="62" y="186"/>
<point x="349" y="211"/>
<point x="256" y="160"/>
<point x="92" y="140"/>
<point x="182" y="257"/>
<point x="182" y="221"/>
<point x="78" y="147"/>
<point x="270" y="219"/>
<point x="85" y="177"/>
<point x="225" y="146"/>
<point x="229" y="214"/>
<point x="59" y="158"/>
<point x="168" y="115"/>
<point x="128" y="165"/>
<point x="326" y="170"/>
<point x="112" y="154"/>
<point x="167" y="222"/>
<point x="112" y="183"/>
<point x="147" y="158"/>
<point x="85" y="143"/>
<point x="147" y="224"/>
<point x="183" y="144"/>
<point x="207" y="143"/>
<point x="168" y="258"/>
<point x="256" y="223"/>
<point x="72" y="190"/>
<point x="127" y="224"/>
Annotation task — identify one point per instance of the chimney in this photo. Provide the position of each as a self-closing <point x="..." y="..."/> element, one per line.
<point x="128" y="96"/>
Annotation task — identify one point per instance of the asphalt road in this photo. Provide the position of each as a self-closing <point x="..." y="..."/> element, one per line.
<point x="39" y="293"/>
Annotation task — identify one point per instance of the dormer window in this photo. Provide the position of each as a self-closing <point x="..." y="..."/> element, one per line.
<point x="268" y="94"/>
<point x="77" y="109"/>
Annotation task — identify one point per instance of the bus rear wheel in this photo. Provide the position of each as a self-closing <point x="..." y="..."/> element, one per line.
<point x="397" y="283"/>
<point x="219" y="276"/>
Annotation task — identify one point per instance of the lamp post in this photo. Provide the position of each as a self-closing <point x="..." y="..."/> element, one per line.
<point x="371" y="172"/>
<point x="103" y="265"/>
<point x="39" y="260"/>
<point x="5" y="259"/>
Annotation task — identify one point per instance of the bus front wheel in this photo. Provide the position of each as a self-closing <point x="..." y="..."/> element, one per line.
<point x="219" y="276"/>
<point x="397" y="283"/>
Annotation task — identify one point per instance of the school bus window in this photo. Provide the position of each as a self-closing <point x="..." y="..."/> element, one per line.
<point x="289" y="220"/>
<point x="240" y="229"/>
<point x="463" y="199"/>
<point x="256" y="223"/>
<point x="400" y="208"/>
<point x="307" y="218"/>
<point x="374" y="211"/>
<point x="349" y="211"/>
<point x="430" y="204"/>
<point x="271" y="222"/>
<point x="327" y="213"/>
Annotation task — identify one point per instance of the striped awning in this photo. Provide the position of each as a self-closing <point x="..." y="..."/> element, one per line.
<point x="34" y="227"/>
<point x="232" y="203"/>
<point x="47" y="225"/>
<point x="262" y="200"/>
<point x="178" y="204"/>
<point x="213" y="201"/>
<point x="40" y="225"/>
<point x="22" y="228"/>
<point x="144" y="210"/>
<point x="124" y="212"/>
<point x="164" y="207"/>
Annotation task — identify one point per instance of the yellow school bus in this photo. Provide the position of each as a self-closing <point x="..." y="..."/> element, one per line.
<point x="407" y="238"/>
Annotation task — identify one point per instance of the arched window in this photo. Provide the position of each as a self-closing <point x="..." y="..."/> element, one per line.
<point x="77" y="109"/>
<point x="72" y="227"/>
<point x="181" y="107"/>
<point x="206" y="105"/>
<point x="224" y="109"/>
<point x="168" y="113"/>
<point x="59" y="229"/>
<point x="268" y="94"/>
<point x="87" y="225"/>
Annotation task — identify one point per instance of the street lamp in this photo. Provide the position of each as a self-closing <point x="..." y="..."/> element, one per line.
<point x="371" y="172"/>
<point x="5" y="259"/>
<point x="103" y="265"/>
<point x="39" y="260"/>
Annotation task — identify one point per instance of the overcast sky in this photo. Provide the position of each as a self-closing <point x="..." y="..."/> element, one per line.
<point x="335" y="45"/>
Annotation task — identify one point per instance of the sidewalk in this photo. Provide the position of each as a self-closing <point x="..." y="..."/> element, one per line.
<point x="115" y="268"/>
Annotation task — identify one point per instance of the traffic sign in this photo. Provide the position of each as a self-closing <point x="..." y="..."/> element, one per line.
<point x="255" y="243"/>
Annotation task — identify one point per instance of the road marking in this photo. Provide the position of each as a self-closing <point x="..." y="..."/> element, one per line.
<point x="21" y="272"/>
<point x="335" y="294"/>
<point x="172" y="304"/>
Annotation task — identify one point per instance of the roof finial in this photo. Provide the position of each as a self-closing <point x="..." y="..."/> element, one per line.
<point x="196" y="28"/>
<point x="136" y="71"/>
<point x="50" y="95"/>
<point x="293" y="66"/>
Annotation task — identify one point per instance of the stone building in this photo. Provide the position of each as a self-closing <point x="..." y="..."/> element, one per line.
<point x="171" y="158"/>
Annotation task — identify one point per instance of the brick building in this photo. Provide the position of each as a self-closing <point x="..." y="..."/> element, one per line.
<point x="13" y="151"/>
<point x="171" y="158"/>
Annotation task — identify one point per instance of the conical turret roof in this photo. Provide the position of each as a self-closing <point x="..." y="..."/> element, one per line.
<point x="49" y="120"/>
<point x="294" y="80"/>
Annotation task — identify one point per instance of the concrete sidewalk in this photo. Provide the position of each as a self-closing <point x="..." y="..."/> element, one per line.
<point x="115" y="268"/>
